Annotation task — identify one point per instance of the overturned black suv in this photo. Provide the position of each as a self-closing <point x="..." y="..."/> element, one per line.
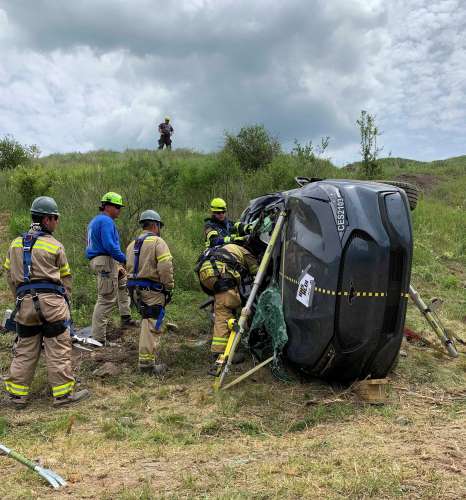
<point x="343" y="266"/>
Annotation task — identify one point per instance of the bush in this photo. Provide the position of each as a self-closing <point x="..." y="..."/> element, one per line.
<point x="31" y="182"/>
<point x="13" y="154"/>
<point x="253" y="147"/>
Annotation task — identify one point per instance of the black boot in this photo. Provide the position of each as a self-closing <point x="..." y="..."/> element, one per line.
<point x="127" y="321"/>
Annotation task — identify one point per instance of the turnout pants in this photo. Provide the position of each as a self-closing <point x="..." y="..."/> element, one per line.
<point x="165" y="140"/>
<point x="225" y="305"/>
<point x="149" y="338"/>
<point x="27" y="350"/>
<point x="110" y="290"/>
<point x="57" y="358"/>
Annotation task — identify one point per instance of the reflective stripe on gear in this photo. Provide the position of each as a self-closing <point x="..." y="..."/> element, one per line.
<point x="146" y="357"/>
<point x="164" y="257"/>
<point x="207" y="270"/>
<point x="219" y="341"/>
<point x="62" y="390"/>
<point x="16" y="389"/>
<point x="39" y="244"/>
<point x="65" y="271"/>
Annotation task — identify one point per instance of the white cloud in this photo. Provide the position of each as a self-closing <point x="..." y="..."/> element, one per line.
<point x="101" y="74"/>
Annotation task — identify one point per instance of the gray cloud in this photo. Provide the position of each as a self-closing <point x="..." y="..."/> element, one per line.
<point x="101" y="74"/>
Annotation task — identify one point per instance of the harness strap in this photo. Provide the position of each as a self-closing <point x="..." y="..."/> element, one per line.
<point x="29" y="240"/>
<point x="137" y="251"/>
<point x="146" y="284"/>
<point x="160" y="317"/>
<point x="40" y="287"/>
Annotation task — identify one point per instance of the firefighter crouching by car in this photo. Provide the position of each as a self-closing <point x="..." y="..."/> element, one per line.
<point x="222" y="271"/>
<point x="150" y="273"/>
<point x="39" y="276"/>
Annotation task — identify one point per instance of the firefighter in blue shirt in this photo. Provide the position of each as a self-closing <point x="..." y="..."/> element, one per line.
<point x="107" y="261"/>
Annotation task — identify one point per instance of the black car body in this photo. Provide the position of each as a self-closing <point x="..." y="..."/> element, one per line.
<point x="344" y="271"/>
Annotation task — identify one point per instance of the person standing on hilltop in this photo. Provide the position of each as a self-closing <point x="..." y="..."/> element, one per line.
<point x="166" y="132"/>
<point x="219" y="230"/>
<point x="107" y="261"/>
<point x="151" y="282"/>
<point x="39" y="276"/>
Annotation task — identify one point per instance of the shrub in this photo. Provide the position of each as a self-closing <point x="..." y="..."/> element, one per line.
<point x="13" y="154"/>
<point x="31" y="182"/>
<point x="253" y="147"/>
<point x="371" y="168"/>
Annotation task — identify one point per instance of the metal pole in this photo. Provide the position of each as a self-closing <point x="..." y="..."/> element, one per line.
<point x="435" y="324"/>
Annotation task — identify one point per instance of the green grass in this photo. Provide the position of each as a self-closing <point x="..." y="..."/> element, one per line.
<point x="173" y="438"/>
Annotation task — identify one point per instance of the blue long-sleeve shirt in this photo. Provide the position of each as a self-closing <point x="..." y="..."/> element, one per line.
<point x="103" y="239"/>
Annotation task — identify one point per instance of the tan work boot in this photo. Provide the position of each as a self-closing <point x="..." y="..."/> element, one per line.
<point x="18" y="402"/>
<point x="71" y="398"/>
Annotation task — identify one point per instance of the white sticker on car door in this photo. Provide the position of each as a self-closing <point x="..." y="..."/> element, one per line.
<point x="306" y="290"/>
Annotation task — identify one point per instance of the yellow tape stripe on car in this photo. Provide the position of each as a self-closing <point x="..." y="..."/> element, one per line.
<point x="345" y="293"/>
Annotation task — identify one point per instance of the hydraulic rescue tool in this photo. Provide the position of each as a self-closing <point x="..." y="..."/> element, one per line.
<point x="237" y="329"/>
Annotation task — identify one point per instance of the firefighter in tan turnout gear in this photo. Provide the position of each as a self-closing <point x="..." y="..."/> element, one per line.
<point x="222" y="270"/>
<point x="39" y="276"/>
<point x="150" y="273"/>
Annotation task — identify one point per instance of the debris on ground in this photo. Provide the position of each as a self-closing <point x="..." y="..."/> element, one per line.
<point x="108" y="369"/>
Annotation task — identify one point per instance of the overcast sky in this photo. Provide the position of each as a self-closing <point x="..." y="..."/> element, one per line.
<point x="101" y="74"/>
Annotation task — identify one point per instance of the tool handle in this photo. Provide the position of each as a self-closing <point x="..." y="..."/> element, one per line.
<point x="22" y="460"/>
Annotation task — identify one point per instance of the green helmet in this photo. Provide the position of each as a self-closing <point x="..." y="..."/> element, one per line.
<point x="150" y="215"/>
<point x="218" y="205"/>
<point x="113" y="198"/>
<point x="44" y="205"/>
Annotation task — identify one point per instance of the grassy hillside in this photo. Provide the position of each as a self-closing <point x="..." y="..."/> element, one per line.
<point x="139" y="437"/>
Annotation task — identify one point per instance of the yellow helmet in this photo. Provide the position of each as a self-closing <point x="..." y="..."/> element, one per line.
<point x="218" y="205"/>
<point x="167" y="118"/>
<point x="113" y="198"/>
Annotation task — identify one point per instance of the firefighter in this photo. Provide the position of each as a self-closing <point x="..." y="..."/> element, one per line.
<point x="150" y="272"/>
<point x="39" y="276"/>
<point x="222" y="272"/>
<point x="107" y="261"/>
<point x="166" y="132"/>
<point x="219" y="230"/>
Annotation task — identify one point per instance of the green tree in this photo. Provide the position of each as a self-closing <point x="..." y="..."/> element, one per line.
<point x="369" y="149"/>
<point x="13" y="154"/>
<point x="254" y="147"/>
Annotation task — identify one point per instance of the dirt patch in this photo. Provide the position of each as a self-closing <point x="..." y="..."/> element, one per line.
<point x="425" y="182"/>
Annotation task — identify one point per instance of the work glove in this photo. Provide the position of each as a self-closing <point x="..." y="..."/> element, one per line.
<point x="237" y="239"/>
<point x="121" y="272"/>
